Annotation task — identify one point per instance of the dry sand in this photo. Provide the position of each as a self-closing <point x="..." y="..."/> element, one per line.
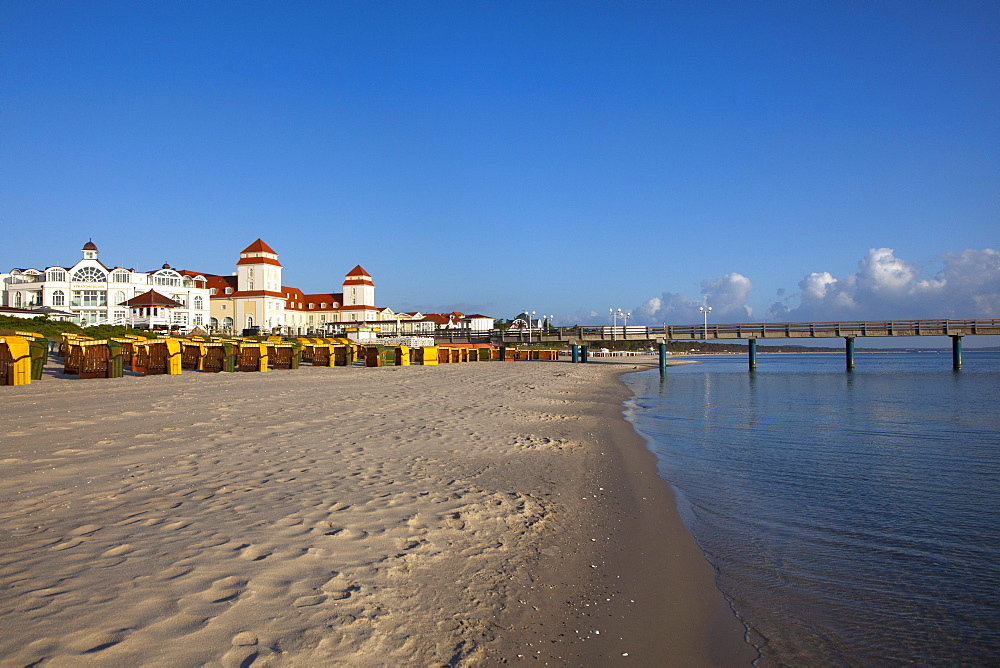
<point x="465" y="514"/>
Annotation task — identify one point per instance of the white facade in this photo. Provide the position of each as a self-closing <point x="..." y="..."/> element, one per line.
<point x="94" y="293"/>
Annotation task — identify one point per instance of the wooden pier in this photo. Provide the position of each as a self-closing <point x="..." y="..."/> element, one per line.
<point x="751" y="332"/>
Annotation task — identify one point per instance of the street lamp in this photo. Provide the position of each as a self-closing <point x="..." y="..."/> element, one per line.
<point x="530" y="315"/>
<point x="705" y="310"/>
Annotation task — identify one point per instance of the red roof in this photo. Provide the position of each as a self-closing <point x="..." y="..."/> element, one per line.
<point x="258" y="260"/>
<point x="90" y="245"/>
<point x="358" y="271"/>
<point x="358" y="281"/>
<point x="152" y="298"/>
<point x="258" y="247"/>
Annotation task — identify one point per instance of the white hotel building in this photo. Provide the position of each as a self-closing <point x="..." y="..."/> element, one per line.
<point x="94" y="293"/>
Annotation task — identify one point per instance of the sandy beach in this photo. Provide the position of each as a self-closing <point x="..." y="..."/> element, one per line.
<point x="465" y="514"/>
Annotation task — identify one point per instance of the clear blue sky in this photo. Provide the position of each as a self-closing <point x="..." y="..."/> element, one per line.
<point x="781" y="160"/>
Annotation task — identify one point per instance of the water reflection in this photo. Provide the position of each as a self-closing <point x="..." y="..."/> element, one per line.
<point x="847" y="514"/>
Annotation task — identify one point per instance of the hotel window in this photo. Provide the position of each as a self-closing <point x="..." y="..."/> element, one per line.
<point x="90" y="298"/>
<point x="118" y="298"/>
<point x="199" y="303"/>
<point x="59" y="298"/>
<point x="311" y="305"/>
<point x="322" y="305"/>
<point x="229" y="291"/>
<point x="56" y="275"/>
<point x="17" y="300"/>
<point x="250" y="285"/>
<point x="211" y="291"/>
<point x="119" y="277"/>
<point x="168" y="279"/>
<point x="322" y="317"/>
<point x="89" y="275"/>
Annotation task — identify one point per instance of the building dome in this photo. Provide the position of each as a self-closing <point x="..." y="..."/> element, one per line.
<point x="89" y="246"/>
<point x="165" y="266"/>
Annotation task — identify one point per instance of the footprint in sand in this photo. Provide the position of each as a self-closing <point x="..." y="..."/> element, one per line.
<point x="86" y="530"/>
<point x="307" y="601"/>
<point x="95" y="642"/>
<point x="226" y="589"/>
<point x="255" y="553"/>
<point x="67" y="545"/>
<point x="339" y="588"/>
<point x="239" y="657"/>
<point x="174" y="572"/>
<point x="118" y="551"/>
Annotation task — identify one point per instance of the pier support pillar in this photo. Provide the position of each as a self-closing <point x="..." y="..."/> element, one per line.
<point x="583" y="354"/>
<point x="503" y="353"/>
<point x="956" y="352"/>
<point x="663" y="357"/>
<point x="849" y="341"/>
<point x="752" y="350"/>
<point x="576" y="353"/>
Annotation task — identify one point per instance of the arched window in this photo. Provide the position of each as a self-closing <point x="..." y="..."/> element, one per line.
<point x="17" y="300"/>
<point x="229" y="291"/>
<point x="167" y="277"/>
<point x="117" y="297"/>
<point x="213" y="323"/>
<point x="199" y="303"/>
<point x="227" y="323"/>
<point x="59" y="298"/>
<point x="249" y="321"/>
<point x="89" y="275"/>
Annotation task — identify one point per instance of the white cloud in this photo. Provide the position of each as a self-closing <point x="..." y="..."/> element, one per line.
<point x="884" y="287"/>
<point x="727" y="295"/>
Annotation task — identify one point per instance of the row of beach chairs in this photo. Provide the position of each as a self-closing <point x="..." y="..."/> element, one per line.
<point x="23" y="354"/>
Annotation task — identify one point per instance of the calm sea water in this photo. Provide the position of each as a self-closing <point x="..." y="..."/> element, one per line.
<point x="852" y="518"/>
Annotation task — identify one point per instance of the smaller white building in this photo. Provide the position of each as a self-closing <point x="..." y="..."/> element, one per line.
<point x="95" y="294"/>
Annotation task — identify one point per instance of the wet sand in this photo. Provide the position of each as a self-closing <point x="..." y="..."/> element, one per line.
<point x="465" y="514"/>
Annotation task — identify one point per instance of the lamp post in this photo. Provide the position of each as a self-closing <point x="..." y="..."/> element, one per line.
<point x="614" y="321"/>
<point x="705" y="310"/>
<point x="530" y="315"/>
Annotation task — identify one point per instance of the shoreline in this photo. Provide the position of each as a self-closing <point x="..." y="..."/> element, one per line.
<point x="665" y="608"/>
<point x="359" y="516"/>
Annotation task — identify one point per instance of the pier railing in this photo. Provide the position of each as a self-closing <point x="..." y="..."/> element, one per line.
<point x="761" y="330"/>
